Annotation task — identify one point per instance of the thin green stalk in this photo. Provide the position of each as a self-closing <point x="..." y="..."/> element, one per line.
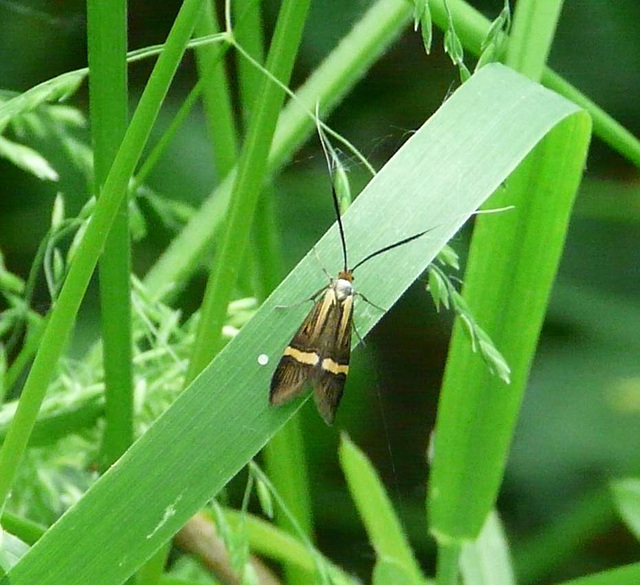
<point x="286" y="461"/>
<point x="28" y="349"/>
<point x="107" y="45"/>
<point x="86" y="258"/>
<point x="285" y="454"/>
<point x="607" y="128"/>
<point x="219" y="115"/>
<point x="268" y="269"/>
<point x="167" y="136"/>
<point x="534" y="25"/>
<point x="248" y="185"/>
<point x="248" y="33"/>
<point x="215" y="95"/>
<point x="250" y="79"/>
<point x="447" y="565"/>
<point x="26" y="530"/>
<point x="20" y="362"/>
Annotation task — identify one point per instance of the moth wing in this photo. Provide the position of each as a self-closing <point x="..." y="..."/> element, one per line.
<point x="328" y="390"/>
<point x="300" y="357"/>
<point x="288" y="380"/>
<point x="331" y="375"/>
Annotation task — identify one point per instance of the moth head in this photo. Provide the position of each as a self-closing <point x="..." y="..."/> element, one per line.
<point x="343" y="286"/>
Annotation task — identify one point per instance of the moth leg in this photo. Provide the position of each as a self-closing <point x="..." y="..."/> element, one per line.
<point x="312" y="298"/>
<point x="355" y="330"/>
<point x="326" y="272"/>
<point x="366" y="300"/>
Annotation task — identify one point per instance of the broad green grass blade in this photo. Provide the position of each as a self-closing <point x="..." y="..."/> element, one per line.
<point x="383" y="527"/>
<point x="626" y="575"/>
<point x="626" y="493"/>
<point x="486" y="561"/>
<point x="446" y="170"/>
<point x="511" y="267"/>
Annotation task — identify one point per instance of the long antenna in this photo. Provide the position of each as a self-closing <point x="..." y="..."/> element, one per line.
<point x="326" y="147"/>
<point x="416" y="236"/>
<point x="391" y="247"/>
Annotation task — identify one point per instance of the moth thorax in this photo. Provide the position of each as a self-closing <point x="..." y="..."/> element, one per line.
<point x="343" y="289"/>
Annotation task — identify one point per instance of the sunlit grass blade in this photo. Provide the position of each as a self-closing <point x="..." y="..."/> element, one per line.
<point x="442" y="174"/>
<point x="486" y="561"/>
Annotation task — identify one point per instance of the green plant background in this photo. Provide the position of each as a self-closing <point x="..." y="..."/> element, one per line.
<point x="578" y="423"/>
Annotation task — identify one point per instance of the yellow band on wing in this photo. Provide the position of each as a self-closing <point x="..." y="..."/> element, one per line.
<point x="304" y="357"/>
<point x="334" y="367"/>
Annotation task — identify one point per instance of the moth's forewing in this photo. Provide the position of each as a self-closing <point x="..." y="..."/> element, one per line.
<point x="300" y="357"/>
<point x="331" y="375"/>
<point x="288" y="380"/>
<point x="318" y="353"/>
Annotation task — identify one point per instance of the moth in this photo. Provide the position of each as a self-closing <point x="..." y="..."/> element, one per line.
<point x="320" y="350"/>
<point x="319" y="353"/>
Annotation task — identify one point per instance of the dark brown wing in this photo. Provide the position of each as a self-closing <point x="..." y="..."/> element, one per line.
<point x="288" y="380"/>
<point x="331" y="373"/>
<point x="302" y="355"/>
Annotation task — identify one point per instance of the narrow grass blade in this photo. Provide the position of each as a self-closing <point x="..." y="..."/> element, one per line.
<point x="107" y="43"/>
<point x="446" y="170"/>
<point x="377" y="513"/>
